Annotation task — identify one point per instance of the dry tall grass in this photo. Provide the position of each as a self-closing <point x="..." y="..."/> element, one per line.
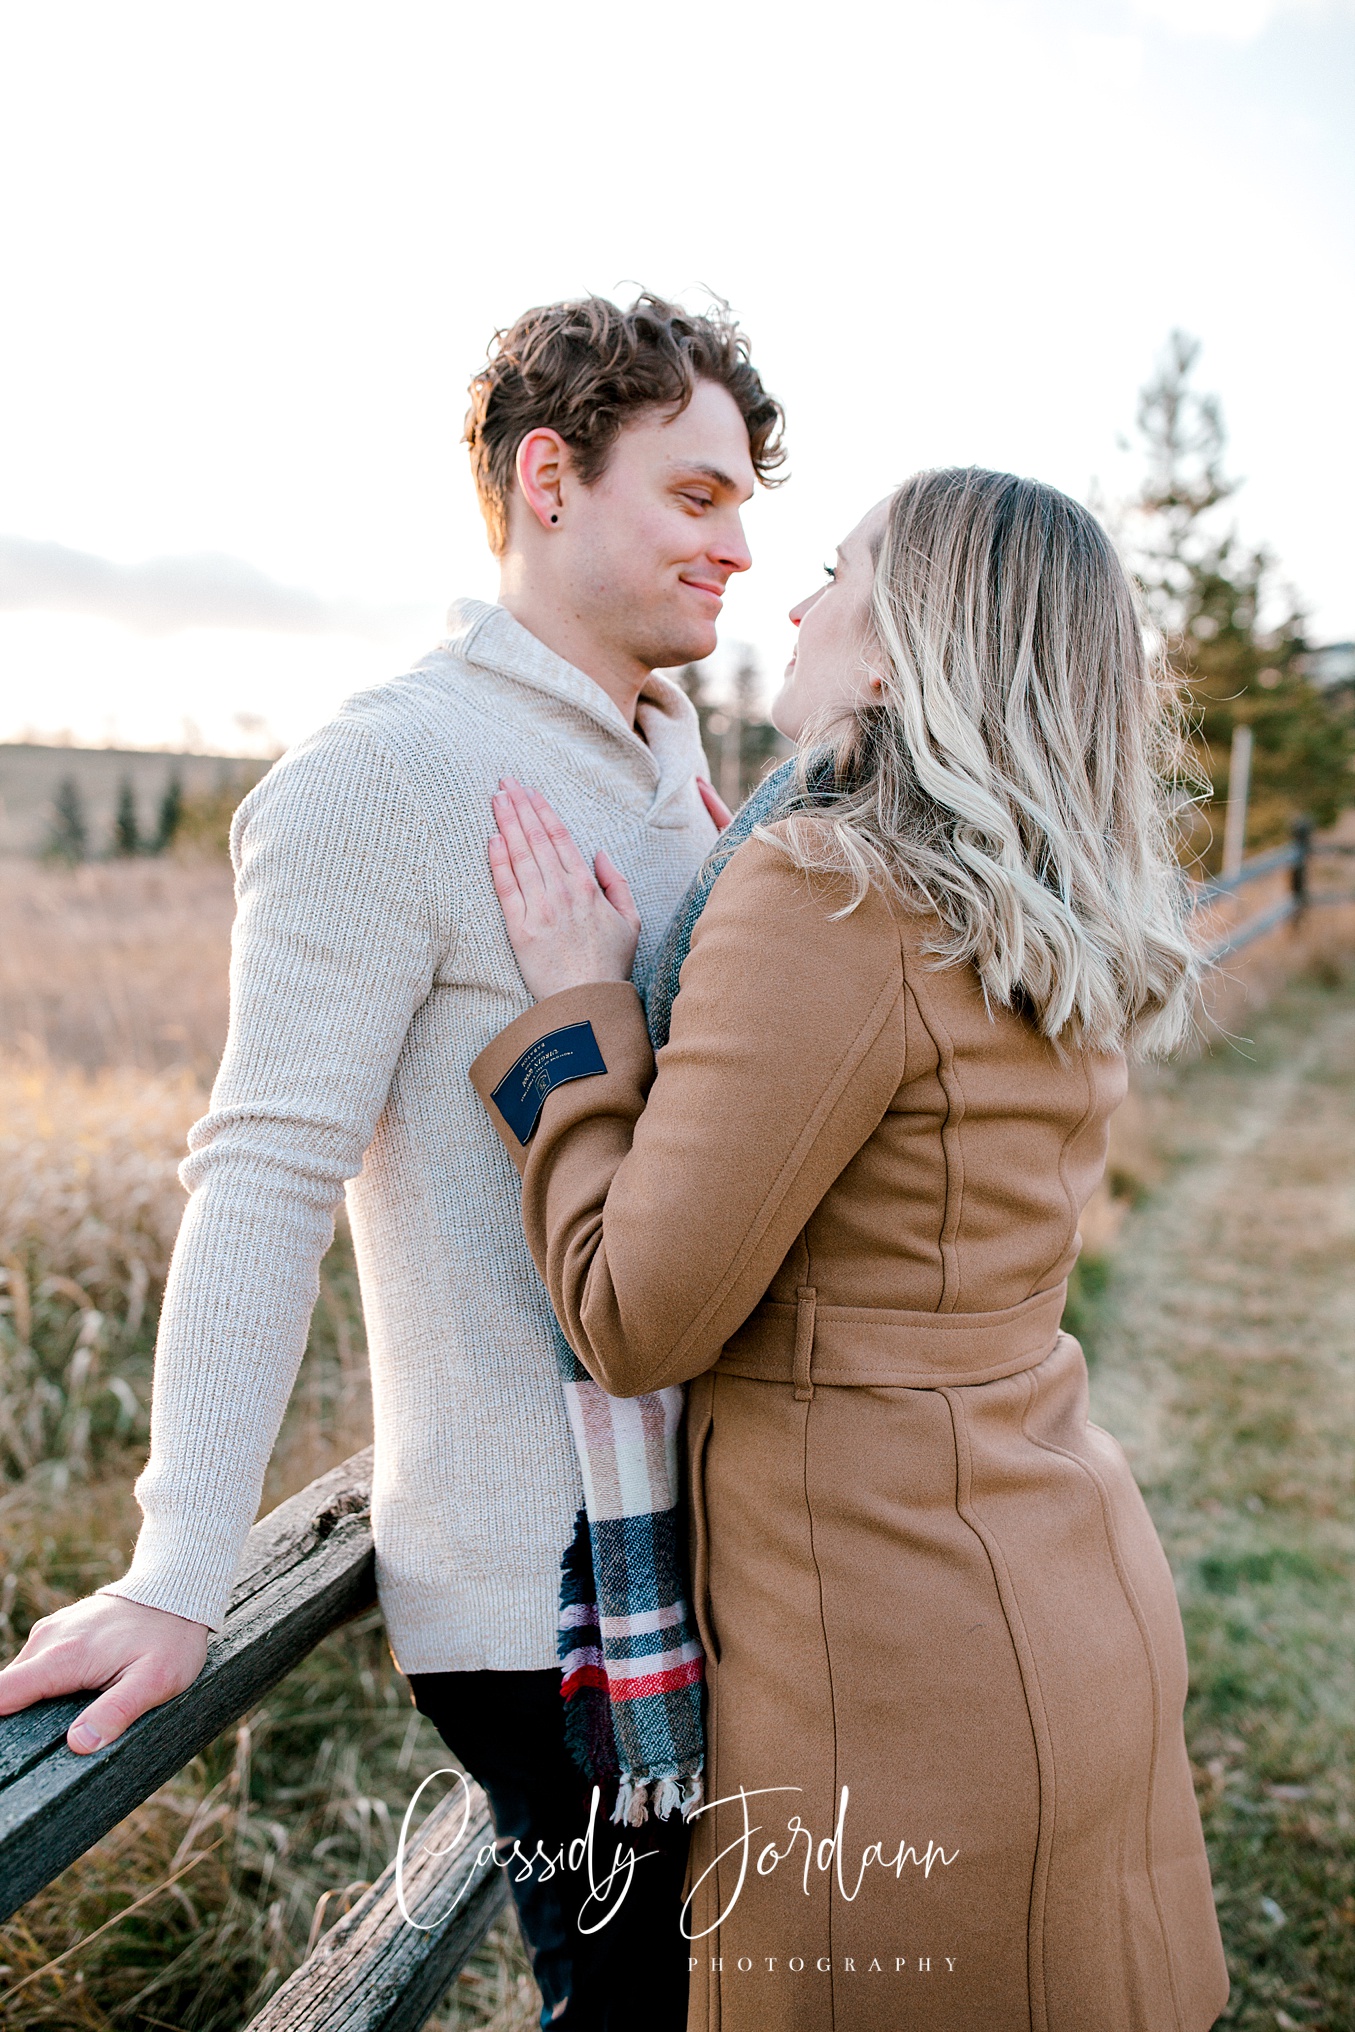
<point x="89" y="1207"/>
<point x="113" y="1005"/>
<point x="90" y="1204"/>
<point x="118" y="963"/>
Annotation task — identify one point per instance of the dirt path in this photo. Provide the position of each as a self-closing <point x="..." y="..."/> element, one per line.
<point x="1223" y="1352"/>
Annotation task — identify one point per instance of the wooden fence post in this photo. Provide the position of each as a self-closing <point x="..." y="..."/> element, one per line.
<point x="1302" y="831"/>
<point x="1235" y="815"/>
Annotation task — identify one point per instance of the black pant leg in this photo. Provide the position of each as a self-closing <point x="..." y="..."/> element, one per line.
<point x="630" y="1975"/>
<point x="497" y="1725"/>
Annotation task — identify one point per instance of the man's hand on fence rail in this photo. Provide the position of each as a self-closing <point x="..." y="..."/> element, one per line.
<point x="306" y="1567"/>
<point x="139" y="1656"/>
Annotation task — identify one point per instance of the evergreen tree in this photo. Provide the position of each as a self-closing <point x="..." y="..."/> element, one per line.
<point x="692" y="678"/>
<point x="126" y="826"/>
<point x="68" y="836"/>
<point x="760" y="745"/>
<point x="739" y="721"/>
<point x="170" y="815"/>
<point x="1239" y="646"/>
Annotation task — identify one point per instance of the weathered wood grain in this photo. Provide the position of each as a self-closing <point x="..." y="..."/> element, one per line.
<point x="307" y="1567"/>
<point x="374" y="1972"/>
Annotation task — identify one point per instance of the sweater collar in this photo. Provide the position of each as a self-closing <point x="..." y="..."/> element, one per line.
<point x="670" y="750"/>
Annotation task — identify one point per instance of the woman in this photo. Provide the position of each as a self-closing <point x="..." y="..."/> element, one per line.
<point x="947" y="1773"/>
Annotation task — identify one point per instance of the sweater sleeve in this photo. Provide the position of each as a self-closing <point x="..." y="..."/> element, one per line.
<point x="658" y="1206"/>
<point x="337" y="936"/>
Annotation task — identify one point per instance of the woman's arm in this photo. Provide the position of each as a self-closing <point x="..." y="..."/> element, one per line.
<point x="658" y="1227"/>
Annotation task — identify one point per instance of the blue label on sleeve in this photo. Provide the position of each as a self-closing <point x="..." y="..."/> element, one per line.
<point x="553" y="1060"/>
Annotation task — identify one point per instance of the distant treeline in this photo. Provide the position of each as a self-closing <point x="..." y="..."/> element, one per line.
<point x="70" y="840"/>
<point x="741" y="743"/>
<point x="199" y="819"/>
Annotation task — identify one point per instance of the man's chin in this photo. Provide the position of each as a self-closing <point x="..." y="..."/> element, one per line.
<point x="686" y="645"/>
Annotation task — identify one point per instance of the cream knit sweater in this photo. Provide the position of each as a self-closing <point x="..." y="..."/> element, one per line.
<point x="369" y="967"/>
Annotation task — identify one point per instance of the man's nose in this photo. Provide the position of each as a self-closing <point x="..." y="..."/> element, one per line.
<point x="733" y="552"/>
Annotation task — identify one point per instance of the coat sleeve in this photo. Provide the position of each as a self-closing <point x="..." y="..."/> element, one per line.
<point x="659" y="1206"/>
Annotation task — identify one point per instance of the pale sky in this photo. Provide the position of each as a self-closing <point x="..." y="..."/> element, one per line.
<point x="251" y="255"/>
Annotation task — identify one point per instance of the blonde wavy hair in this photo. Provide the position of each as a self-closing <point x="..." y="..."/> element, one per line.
<point x="1016" y="772"/>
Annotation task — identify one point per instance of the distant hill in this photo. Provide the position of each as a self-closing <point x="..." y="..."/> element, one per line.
<point x="30" y="776"/>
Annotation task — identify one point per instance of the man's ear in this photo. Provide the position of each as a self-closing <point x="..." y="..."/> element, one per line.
<point x="542" y="462"/>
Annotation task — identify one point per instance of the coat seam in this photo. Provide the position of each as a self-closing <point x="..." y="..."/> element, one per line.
<point x="1074" y="1212"/>
<point x="1140" y="1624"/>
<point x="1035" y="1709"/>
<point x="952" y="1152"/>
<point x="716" y="1976"/>
<point x="832" y="1689"/>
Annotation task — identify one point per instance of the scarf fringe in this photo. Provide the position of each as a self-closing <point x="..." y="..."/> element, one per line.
<point x="659" y="1793"/>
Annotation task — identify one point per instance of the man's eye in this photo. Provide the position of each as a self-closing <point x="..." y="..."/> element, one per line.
<point x="831" y="571"/>
<point x="698" y="500"/>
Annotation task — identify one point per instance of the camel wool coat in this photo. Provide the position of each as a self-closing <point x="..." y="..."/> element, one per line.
<point x="946" y="1669"/>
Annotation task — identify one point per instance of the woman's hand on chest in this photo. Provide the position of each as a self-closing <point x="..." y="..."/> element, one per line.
<point x="567" y="923"/>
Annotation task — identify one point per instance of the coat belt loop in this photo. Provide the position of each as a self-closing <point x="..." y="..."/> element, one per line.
<point x="805" y="1300"/>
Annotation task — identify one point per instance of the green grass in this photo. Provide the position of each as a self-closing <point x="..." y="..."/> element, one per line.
<point x="1225" y="1333"/>
<point x="1084" y="1311"/>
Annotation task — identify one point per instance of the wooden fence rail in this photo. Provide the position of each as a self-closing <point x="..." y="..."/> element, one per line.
<point x="1298" y="858"/>
<point x="308" y="1567"/>
<point x="376" y="1972"/>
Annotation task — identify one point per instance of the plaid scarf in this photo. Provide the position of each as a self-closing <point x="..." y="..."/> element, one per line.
<point x="631" y="1660"/>
<point x="630" y="1657"/>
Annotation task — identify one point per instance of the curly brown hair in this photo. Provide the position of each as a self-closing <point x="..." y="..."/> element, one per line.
<point x="585" y="368"/>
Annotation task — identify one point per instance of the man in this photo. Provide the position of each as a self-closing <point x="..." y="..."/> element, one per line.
<point x="612" y="451"/>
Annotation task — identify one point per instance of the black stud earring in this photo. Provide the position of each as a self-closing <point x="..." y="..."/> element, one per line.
<point x="555" y="518"/>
